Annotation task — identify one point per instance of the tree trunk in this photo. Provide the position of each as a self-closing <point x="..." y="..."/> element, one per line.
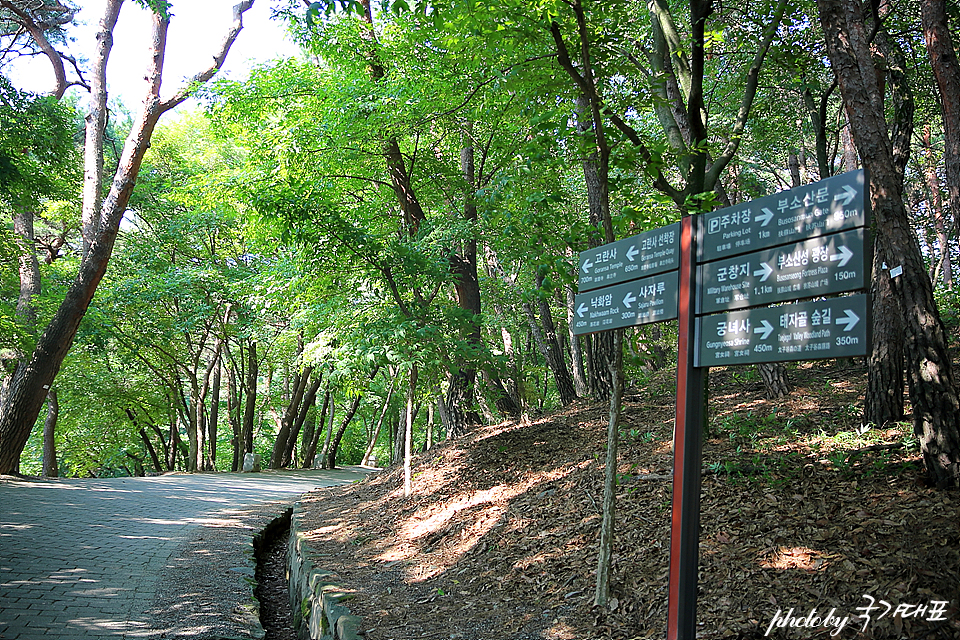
<point x="331" y="450"/>
<point x="290" y="414"/>
<point x="576" y="353"/>
<point x="467" y="283"/>
<point x="309" y="398"/>
<point x="379" y="425"/>
<point x="310" y="450"/>
<point x="933" y="393"/>
<point x="233" y="415"/>
<point x="883" y="401"/>
<point x="775" y="381"/>
<point x="556" y="361"/>
<point x="549" y="347"/>
<point x="250" y="400"/>
<point x="459" y="398"/>
<point x="408" y="433"/>
<point x="50" y="468"/>
<point x="946" y="69"/>
<point x="148" y="445"/>
<point x="335" y="444"/>
<point x="174" y="440"/>
<point x="211" y="462"/>
<point x="30" y="289"/>
<point x="935" y="203"/>
<point x="604" y="561"/>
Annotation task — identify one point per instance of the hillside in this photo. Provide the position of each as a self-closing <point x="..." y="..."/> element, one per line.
<point x="798" y="511"/>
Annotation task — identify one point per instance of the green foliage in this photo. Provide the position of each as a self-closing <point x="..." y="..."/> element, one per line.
<point x="38" y="157"/>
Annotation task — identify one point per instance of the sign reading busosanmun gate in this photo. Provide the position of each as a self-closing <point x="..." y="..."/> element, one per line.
<point x="748" y="284"/>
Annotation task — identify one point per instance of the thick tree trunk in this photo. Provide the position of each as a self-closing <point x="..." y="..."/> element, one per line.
<point x="458" y="402"/>
<point x="946" y="69"/>
<point x="933" y="393"/>
<point x="775" y="381"/>
<point x="883" y="402"/>
<point x="50" y="468"/>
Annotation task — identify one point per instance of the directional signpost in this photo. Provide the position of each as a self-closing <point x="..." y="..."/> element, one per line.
<point x="713" y="272"/>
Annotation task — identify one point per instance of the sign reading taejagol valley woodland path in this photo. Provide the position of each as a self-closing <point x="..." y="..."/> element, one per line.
<point x="717" y="273"/>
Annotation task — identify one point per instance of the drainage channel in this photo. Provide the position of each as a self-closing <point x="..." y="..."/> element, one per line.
<point x="272" y="591"/>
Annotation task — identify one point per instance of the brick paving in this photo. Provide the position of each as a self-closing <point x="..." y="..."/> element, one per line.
<point x="81" y="558"/>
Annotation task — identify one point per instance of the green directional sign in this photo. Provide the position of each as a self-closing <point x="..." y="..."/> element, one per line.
<point x="833" y="328"/>
<point x="816" y="267"/>
<point x="633" y="303"/>
<point x="635" y="257"/>
<point x="821" y="208"/>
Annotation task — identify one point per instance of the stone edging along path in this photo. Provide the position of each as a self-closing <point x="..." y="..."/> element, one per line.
<point x="316" y="600"/>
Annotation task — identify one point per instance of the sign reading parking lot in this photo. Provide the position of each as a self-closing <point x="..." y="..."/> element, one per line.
<point x="633" y="303"/>
<point x="834" y="328"/>
<point x="821" y="208"/>
<point x="642" y="255"/>
<point x="815" y="267"/>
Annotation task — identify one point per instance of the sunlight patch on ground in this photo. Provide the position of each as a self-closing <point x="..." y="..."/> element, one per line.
<point x="802" y="558"/>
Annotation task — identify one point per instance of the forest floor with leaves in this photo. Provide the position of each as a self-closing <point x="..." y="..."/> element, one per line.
<point x="800" y="510"/>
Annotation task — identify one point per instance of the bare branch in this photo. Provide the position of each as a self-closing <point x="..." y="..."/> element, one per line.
<point x="201" y="78"/>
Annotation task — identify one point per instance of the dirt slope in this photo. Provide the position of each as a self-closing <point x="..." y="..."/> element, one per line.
<point x="799" y="511"/>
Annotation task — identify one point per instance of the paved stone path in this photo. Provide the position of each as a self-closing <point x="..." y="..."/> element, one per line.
<point x="81" y="558"/>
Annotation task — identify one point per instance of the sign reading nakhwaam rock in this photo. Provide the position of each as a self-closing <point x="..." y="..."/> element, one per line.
<point x="821" y="208"/>
<point x="643" y="301"/>
<point x="816" y="267"/>
<point x="832" y="328"/>
<point x="642" y="255"/>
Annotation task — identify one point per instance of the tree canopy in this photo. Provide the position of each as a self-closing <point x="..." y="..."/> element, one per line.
<point x="385" y="229"/>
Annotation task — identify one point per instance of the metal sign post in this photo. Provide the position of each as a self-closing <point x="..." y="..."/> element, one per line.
<point x="687" y="446"/>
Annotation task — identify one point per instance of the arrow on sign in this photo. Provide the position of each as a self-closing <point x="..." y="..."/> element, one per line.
<point x="586" y="265"/>
<point x="766" y="329"/>
<point x="763" y="273"/>
<point x="632" y="252"/>
<point x="849" y="193"/>
<point x="629" y="299"/>
<point x="582" y="309"/>
<point x="764" y="219"/>
<point x="850" y="320"/>
<point x="844" y="256"/>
